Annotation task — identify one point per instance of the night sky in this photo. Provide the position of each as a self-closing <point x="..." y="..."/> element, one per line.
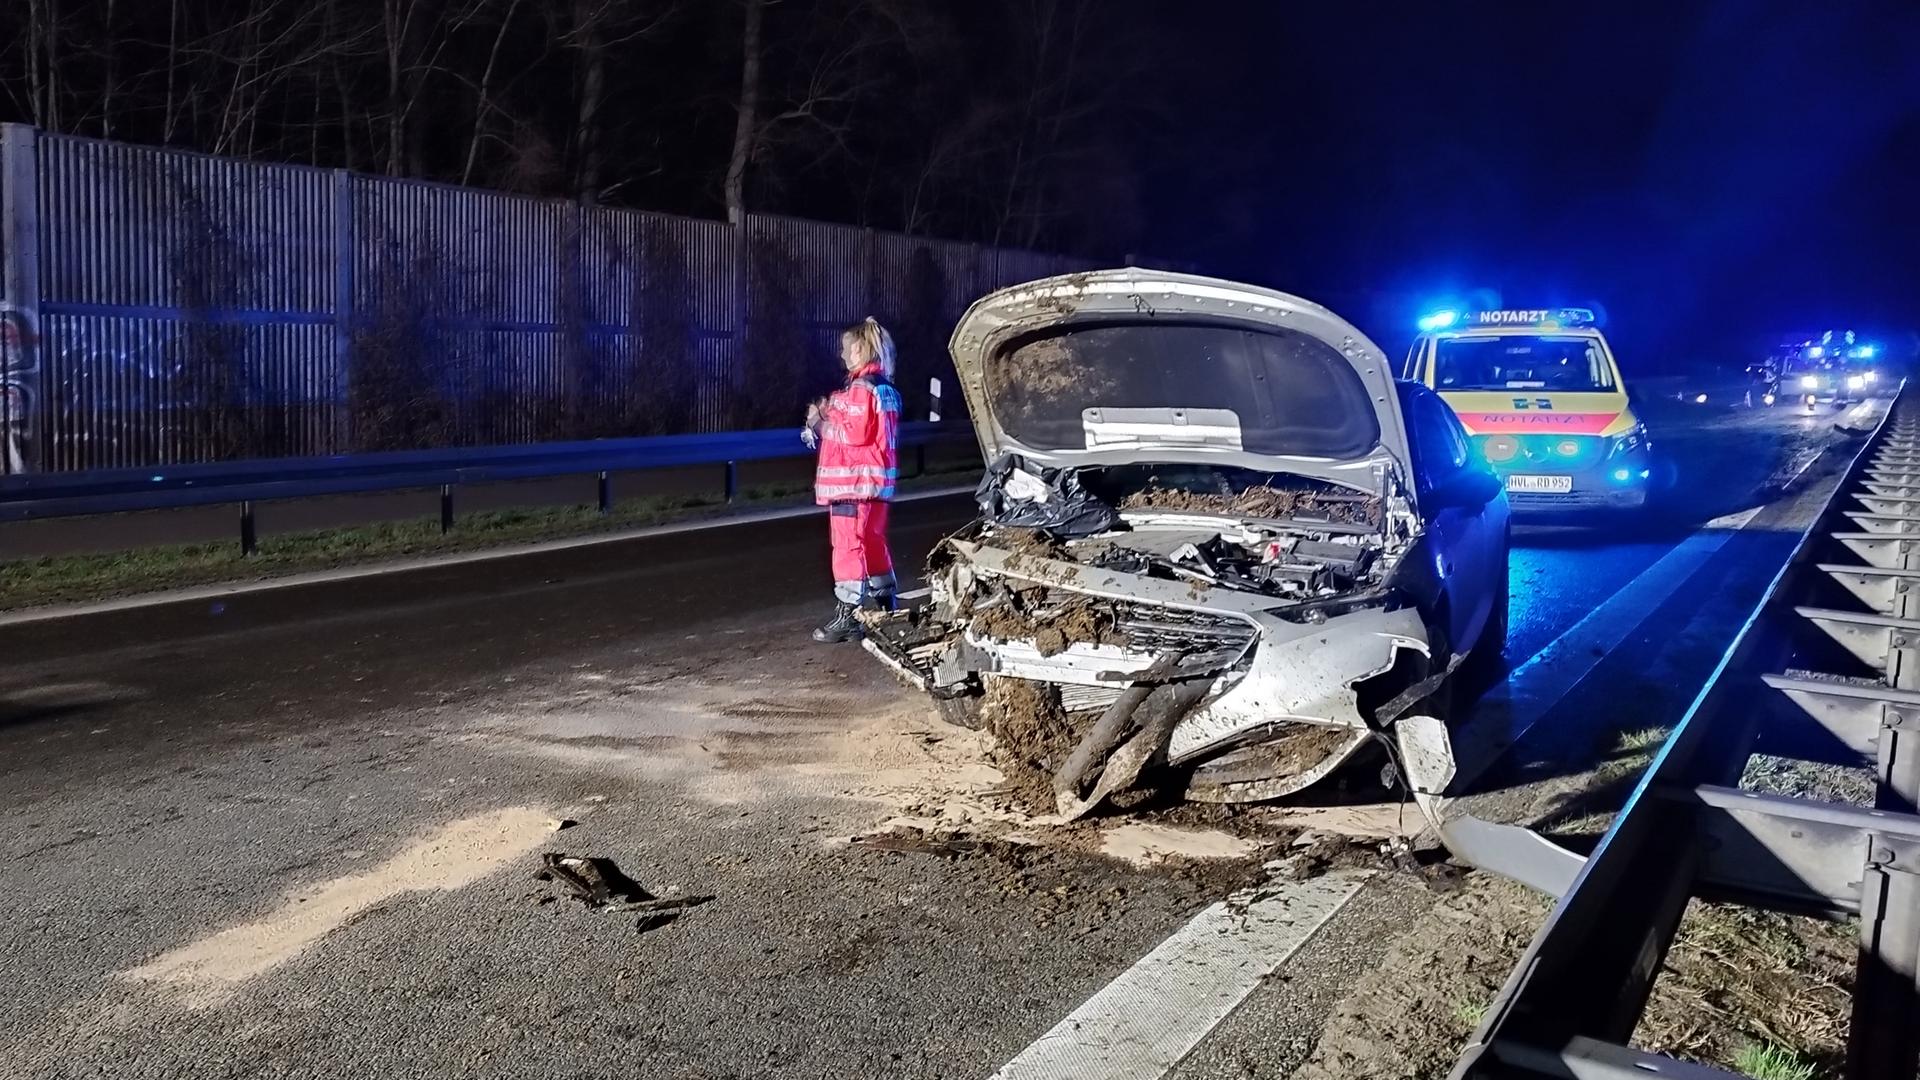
<point x="1695" y="168"/>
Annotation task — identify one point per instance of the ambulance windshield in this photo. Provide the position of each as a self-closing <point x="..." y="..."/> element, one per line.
<point x="1521" y="362"/>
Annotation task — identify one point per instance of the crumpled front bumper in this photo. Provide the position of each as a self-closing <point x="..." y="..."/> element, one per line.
<point x="1269" y="678"/>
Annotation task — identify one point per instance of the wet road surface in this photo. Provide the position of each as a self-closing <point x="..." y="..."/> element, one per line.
<point x="294" y="833"/>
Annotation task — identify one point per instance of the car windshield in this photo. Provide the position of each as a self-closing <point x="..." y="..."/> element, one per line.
<point x="1277" y="392"/>
<point x="1521" y="362"/>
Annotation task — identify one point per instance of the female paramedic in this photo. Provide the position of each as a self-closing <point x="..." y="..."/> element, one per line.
<point x="857" y="430"/>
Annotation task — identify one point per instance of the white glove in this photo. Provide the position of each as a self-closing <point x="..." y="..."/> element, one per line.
<point x="808" y="436"/>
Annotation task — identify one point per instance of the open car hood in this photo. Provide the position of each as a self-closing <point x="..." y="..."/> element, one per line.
<point x="1130" y="366"/>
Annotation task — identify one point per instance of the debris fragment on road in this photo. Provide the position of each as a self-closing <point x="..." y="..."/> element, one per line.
<point x="598" y="883"/>
<point x="594" y="882"/>
<point x="919" y="840"/>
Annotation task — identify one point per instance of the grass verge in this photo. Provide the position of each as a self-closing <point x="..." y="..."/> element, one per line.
<point x="97" y="576"/>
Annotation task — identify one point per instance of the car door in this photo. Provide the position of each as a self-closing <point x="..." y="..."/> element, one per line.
<point x="1468" y="535"/>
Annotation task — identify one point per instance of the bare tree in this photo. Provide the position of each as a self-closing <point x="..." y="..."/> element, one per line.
<point x="484" y="91"/>
<point x="872" y="111"/>
<point x="598" y="30"/>
<point x="801" y="90"/>
<point x="43" y="61"/>
<point x="747" y="119"/>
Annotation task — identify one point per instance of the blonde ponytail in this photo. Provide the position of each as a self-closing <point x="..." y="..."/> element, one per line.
<point x="878" y="342"/>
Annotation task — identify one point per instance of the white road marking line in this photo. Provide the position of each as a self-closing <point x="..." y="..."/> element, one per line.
<point x="1812" y="456"/>
<point x="427" y="562"/>
<point x="1144" y="1022"/>
<point x="1539" y="683"/>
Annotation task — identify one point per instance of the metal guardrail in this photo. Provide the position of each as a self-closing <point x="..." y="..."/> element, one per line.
<point x="111" y="491"/>
<point x="1826" y="670"/>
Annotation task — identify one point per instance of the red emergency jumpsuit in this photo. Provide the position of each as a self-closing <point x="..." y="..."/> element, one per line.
<point x="859" y="464"/>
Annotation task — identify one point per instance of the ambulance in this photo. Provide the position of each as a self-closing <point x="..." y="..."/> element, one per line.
<point x="1541" y="395"/>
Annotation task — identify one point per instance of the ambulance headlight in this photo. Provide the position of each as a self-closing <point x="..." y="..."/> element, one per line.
<point x="1816" y="352"/>
<point x="1809" y="382"/>
<point x="1856" y="382"/>
<point x="1628" y="441"/>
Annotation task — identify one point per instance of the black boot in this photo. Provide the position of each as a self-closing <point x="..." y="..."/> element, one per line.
<point x="844" y="627"/>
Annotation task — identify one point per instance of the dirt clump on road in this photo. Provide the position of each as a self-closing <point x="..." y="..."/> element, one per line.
<point x="1053" y="882"/>
<point x="1032" y="737"/>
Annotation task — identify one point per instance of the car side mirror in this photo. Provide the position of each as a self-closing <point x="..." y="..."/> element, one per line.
<point x="1467" y="488"/>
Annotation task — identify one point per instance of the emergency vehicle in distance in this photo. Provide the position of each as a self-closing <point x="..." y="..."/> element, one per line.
<point x="1541" y="396"/>
<point x="1837" y="369"/>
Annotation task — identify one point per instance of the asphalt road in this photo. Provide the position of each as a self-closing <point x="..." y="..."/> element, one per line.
<point x="295" y="833"/>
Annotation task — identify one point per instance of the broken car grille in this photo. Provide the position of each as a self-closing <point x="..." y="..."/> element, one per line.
<point x="1157" y="629"/>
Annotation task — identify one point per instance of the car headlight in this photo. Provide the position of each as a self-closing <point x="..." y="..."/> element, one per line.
<point x="1628" y="441"/>
<point x="1871" y="376"/>
<point x="1809" y="382"/>
<point x="1856" y="382"/>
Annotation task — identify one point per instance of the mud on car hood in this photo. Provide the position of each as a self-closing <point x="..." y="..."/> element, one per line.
<point x="1119" y="367"/>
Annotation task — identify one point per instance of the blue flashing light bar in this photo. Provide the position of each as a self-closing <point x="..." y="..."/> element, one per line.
<point x="1551" y="318"/>
<point x="1438" y="320"/>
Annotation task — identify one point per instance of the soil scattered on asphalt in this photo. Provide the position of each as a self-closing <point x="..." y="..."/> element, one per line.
<point x="1059" y="881"/>
<point x="457" y="854"/>
<point x="1032" y="737"/>
<point x="1145" y="843"/>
